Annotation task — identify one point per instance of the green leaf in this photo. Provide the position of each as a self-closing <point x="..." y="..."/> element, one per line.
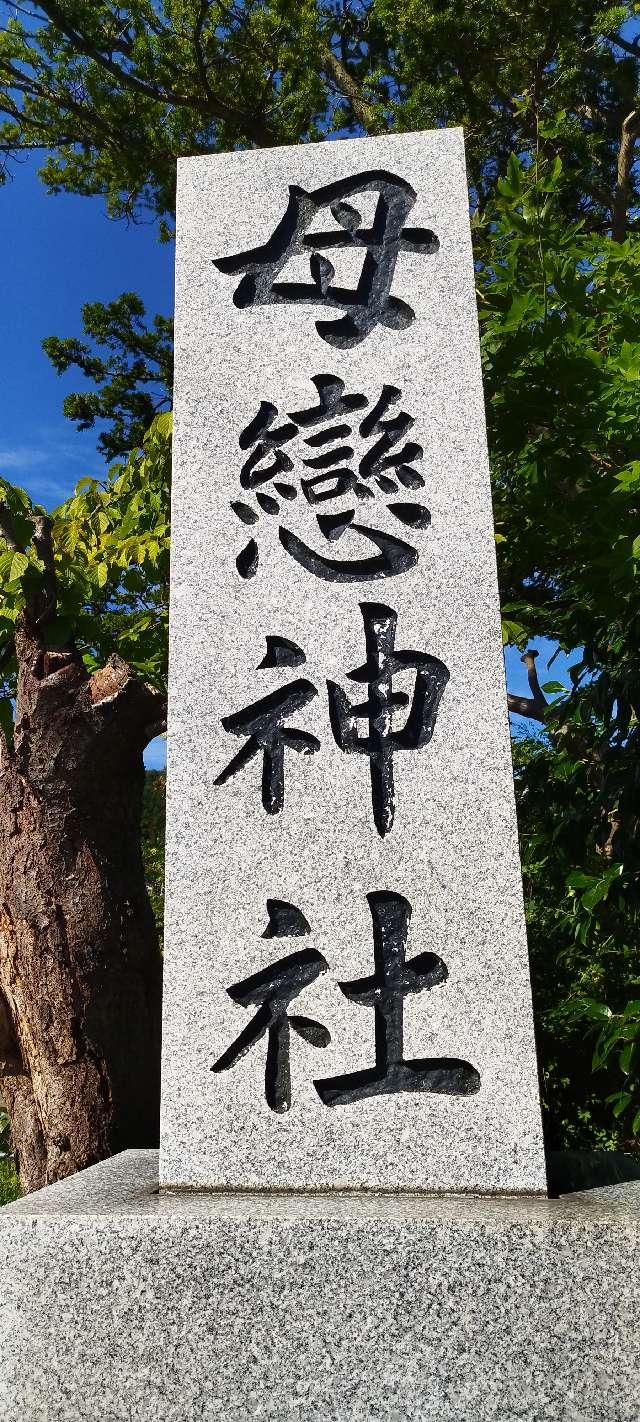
<point x="512" y="632"/>
<point x="577" y="879"/>
<point x="628" y="479"/>
<point x="551" y="180"/>
<point x="597" y="1011"/>
<point x="163" y="424"/>
<point x="595" y="895"/>
<point x="17" y="567"/>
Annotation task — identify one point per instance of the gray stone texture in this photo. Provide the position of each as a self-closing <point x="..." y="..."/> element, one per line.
<point x="453" y="848"/>
<point x="120" y="1305"/>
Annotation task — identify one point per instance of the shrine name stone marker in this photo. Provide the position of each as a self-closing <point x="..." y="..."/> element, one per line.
<point x="347" y="998"/>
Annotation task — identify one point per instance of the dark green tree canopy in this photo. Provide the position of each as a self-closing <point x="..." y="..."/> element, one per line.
<point x="560" y="320"/>
<point x="129" y="363"/>
<point x="115" y="93"/>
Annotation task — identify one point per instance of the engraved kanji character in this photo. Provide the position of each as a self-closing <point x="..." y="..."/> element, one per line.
<point x="263" y="725"/>
<point x="272" y="990"/>
<point x="381" y="742"/>
<point x="370" y="304"/>
<point x="385" y="992"/>
<point x="335" y="471"/>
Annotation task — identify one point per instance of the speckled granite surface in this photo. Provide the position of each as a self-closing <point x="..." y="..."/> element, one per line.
<point x="452" y="851"/>
<point x="118" y="1305"/>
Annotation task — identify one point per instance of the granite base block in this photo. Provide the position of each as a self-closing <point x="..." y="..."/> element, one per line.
<point x="117" y="1303"/>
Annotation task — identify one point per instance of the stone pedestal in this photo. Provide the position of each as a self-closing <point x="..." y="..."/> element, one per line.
<point x="119" y="1304"/>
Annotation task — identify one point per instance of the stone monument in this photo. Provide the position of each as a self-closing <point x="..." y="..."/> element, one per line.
<point x="345" y="932"/>
<point x="351" y="1220"/>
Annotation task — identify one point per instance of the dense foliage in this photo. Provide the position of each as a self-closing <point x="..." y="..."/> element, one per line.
<point x="547" y="94"/>
<point x="9" y="1187"/>
<point x="560" y="315"/>
<point x="115" y="93"/>
<point x="129" y="363"/>
<point x="153" y="819"/>
<point x="111" y="558"/>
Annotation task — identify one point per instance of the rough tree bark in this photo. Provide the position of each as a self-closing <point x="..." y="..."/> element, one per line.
<point x="80" y="967"/>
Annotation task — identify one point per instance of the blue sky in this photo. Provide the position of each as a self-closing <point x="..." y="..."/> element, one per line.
<point x="56" y="253"/>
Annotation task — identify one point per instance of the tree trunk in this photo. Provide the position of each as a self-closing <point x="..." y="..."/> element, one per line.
<point x="80" y="967"/>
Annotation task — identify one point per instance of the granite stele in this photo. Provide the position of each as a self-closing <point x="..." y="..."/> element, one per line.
<point x="345" y="941"/>
<point x="352" y="1221"/>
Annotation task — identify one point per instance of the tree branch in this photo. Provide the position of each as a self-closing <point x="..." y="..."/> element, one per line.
<point x="116" y="689"/>
<point x="620" y="204"/>
<point x="62" y="100"/>
<point x="197" y="45"/>
<point x="45" y="602"/>
<point x="534" y="707"/>
<point x="629" y="46"/>
<point x="21" y="10"/>
<point x="347" y="85"/>
<point x="524" y="706"/>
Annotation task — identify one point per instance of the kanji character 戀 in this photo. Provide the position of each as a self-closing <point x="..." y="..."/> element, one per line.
<point x="313" y="441"/>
